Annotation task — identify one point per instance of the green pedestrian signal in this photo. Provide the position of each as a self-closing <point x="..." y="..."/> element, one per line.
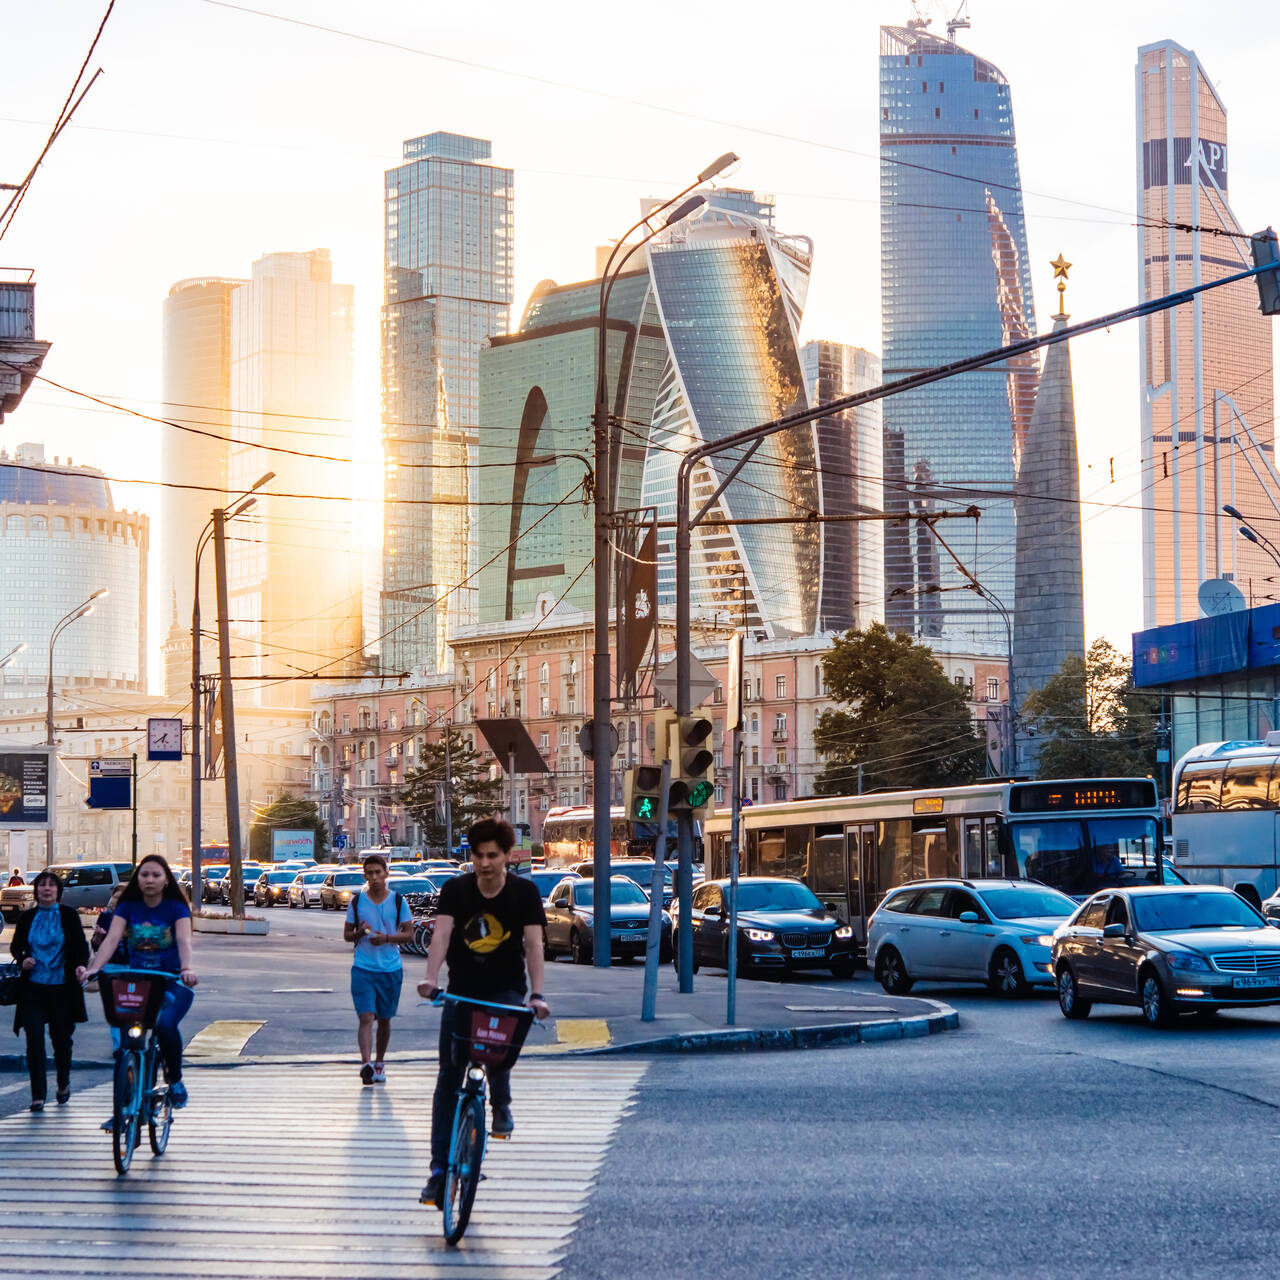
<point x="693" y="764"/>
<point x="642" y="787"/>
<point x="646" y="810"/>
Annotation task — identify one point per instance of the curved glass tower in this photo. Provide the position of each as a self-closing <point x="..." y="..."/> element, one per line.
<point x="954" y="282"/>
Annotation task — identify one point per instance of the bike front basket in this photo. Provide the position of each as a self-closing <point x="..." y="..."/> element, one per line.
<point x="490" y="1037"/>
<point x="131" y="998"/>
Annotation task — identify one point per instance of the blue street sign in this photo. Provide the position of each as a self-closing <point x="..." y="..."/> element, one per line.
<point x="340" y="840"/>
<point x="110" y="793"/>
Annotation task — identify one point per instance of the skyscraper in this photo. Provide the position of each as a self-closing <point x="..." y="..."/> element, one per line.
<point x="447" y="289"/>
<point x="954" y="282"/>
<point x="1206" y="367"/>
<point x="295" y="589"/>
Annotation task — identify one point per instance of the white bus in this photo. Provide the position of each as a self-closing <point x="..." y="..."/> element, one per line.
<point x="568" y="835"/>
<point x="1078" y="835"/>
<point x="1226" y="816"/>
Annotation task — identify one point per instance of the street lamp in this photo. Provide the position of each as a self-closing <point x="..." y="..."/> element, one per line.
<point x="681" y="205"/>
<point x="1250" y="534"/>
<point x="12" y="655"/>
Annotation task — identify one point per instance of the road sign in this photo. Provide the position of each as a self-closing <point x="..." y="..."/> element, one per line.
<point x="110" y="767"/>
<point x="702" y="684"/>
<point x="340" y="840"/>
<point x="110" y="783"/>
<point x="587" y="740"/>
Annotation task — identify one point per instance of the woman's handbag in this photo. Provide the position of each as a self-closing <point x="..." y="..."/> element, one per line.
<point x="10" y="982"/>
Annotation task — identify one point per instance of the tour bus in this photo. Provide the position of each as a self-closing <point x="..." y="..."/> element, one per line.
<point x="1226" y="816"/>
<point x="1077" y="835"/>
<point x="567" y="836"/>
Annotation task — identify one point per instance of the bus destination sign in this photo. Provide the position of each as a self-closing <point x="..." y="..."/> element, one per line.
<point x="927" y="804"/>
<point x="1119" y="793"/>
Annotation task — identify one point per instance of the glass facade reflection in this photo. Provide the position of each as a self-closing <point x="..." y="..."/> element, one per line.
<point x="1206" y="367"/>
<point x="730" y="294"/>
<point x="954" y="282"/>
<point x="447" y="290"/>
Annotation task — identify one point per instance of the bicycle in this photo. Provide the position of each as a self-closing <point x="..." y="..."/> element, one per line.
<point x="131" y="1001"/>
<point x="491" y="1036"/>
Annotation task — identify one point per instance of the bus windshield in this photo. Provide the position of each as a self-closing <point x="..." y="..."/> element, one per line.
<point x="1080" y="856"/>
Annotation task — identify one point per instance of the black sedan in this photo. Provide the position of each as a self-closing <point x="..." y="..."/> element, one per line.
<point x="781" y="927"/>
<point x="571" y="921"/>
<point x="249" y="873"/>
<point x="272" y="888"/>
<point x="1171" y="950"/>
<point x="211" y="879"/>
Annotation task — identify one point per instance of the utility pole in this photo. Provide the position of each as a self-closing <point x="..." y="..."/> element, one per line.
<point x="227" y="702"/>
<point x="133" y="857"/>
<point x="197" y="895"/>
<point x="448" y="794"/>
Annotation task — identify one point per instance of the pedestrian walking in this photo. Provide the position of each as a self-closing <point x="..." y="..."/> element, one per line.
<point x="378" y="921"/>
<point x="49" y="943"/>
<point x="15" y="878"/>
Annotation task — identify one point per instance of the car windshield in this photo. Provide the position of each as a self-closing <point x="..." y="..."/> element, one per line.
<point x="1026" y="904"/>
<point x="315" y="877"/>
<point x="344" y="878"/>
<point x="782" y="896"/>
<point x="621" y="890"/>
<point x="281" y="877"/>
<point x="1171" y="912"/>
<point x="545" y="881"/>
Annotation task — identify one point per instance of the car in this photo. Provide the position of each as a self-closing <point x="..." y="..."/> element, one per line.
<point x="782" y="928"/>
<point x="337" y="888"/>
<point x="420" y="892"/>
<point x="993" y="931"/>
<point x="638" y="869"/>
<point x="1271" y="906"/>
<point x="1166" y="950"/>
<point x="304" y="888"/>
<point x="249" y="873"/>
<point x="545" y="881"/>
<point x="85" y="885"/>
<point x="211" y="879"/>
<point x="571" y="920"/>
<point x="445" y="865"/>
<point x="272" y="887"/>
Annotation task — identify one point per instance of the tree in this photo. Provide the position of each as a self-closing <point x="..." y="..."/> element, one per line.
<point x="903" y="721"/>
<point x="474" y="794"/>
<point x="289" y="813"/>
<point x="1090" y="720"/>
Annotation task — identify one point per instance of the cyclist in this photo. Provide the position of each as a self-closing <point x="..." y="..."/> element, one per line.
<point x="488" y="928"/>
<point x="154" y="919"/>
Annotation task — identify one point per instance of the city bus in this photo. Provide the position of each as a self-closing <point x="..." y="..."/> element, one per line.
<point x="1077" y="835"/>
<point x="1226" y="816"/>
<point x="568" y="836"/>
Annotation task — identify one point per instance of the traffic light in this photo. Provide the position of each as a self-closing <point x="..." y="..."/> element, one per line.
<point x="642" y="788"/>
<point x="1266" y="250"/>
<point x="692" y="764"/>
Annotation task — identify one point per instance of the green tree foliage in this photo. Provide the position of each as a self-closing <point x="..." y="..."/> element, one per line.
<point x="474" y="794"/>
<point x="1091" y="722"/>
<point x="289" y="813"/>
<point x="902" y="720"/>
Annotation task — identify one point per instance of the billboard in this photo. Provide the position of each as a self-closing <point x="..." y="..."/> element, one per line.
<point x="292" y="844"/>
<point x="26" y="796"/>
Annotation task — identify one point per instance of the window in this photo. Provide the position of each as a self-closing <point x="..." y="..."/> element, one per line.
<point x="817" y="680"/>
<point x="1245" y="785"/>
<point x="755" y="790"/>
<point x="958" y="680"/>
<point x="960" y="901"/>
<point x="1117" y="913"/>
<point x="346" y="724"/>
<point x="901" y="901"/>
<point x="755" y="755"/>
<point x="993" y="689"/>
<point x="780" y="789"/>
<point x="937" y="113"/>
<point x="884" y="113"/>
<point x="780" y="686"/>
<point x="564" y="735"/>
<point x="759" y="686"/>
<point x="1092" y="916"/>
<point x="780" y="724"/>
<point x="930" y="902"/>
<point x="780" y="755"/>
<point x="755" y="723"/>
<point x="718" y="696"/>
<point x="1200" y="788"/>
<point x="544" y="741"/>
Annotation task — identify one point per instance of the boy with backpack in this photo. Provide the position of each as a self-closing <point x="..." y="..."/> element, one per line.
<point x="378" y="921"/>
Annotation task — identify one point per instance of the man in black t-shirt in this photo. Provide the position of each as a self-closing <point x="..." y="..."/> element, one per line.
<point x="489" y="928"/>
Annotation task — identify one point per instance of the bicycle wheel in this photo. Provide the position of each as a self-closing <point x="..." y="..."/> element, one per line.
<point x="125" y="1112"/>
<point x="159" y="1108"/>
<point x="462" y="1177"/>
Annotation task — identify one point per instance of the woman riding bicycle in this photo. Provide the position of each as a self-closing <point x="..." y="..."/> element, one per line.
<point x="154" y="920"/>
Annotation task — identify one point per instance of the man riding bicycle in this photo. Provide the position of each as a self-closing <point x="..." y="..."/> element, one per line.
<point x="488" y="929"/>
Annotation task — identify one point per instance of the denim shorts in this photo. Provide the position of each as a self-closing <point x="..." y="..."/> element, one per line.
<point x="376" y="991"/>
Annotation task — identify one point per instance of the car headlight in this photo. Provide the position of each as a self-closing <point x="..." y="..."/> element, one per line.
<point x="1039" y="940"/>
<point x="760" y="935"/>
<point x="1188" y="961"/>
<point x="845" y="931"/>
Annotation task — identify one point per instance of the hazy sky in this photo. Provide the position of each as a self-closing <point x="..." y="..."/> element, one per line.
<point x="217" y="134"/>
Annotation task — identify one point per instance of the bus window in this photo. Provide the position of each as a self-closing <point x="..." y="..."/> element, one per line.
<point x="797" y="863"/>
<point x="1200" y="788"/>
<point x="772" y="853"/>
<point x="991" y="841"/>
<point x="974" y="857"/>
<point x="1051" y="852"/>
<point x="1245" y="785"/>
<point x="1124" y="850"/>
<point x="894" y="861"/>
<point x="931" y="854"/>
<point x="826" y="867"/>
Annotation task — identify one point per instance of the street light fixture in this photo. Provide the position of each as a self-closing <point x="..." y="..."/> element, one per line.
<point x="601" y="708"/>
<point x="12" y="655"/>
<point x="1250" y="534"/>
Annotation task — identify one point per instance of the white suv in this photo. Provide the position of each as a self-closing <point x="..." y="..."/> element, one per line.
<point x="992" y="931"/>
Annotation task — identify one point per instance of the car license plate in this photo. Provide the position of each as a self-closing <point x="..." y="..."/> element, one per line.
<point x="1261" y="980"/>
<point x="810" y="953"/>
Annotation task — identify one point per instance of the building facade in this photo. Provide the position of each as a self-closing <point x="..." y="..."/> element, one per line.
<point x="1206" y="367"/>
<point x="954" y="283"/>
<point x="448" y="287"/>
<point x="21" y="352"/>
<point x="61" y="539"/>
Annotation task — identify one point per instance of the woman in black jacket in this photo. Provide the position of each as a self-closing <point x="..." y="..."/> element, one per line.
<point x="50" y="943"/>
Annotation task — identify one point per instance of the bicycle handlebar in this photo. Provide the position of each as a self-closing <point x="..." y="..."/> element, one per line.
<point x="441" y="996"/>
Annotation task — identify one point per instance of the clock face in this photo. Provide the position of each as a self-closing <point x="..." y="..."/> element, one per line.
<point x="164" y="738"/>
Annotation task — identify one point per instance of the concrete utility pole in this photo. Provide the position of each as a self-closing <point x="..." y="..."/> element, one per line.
<point x="227" y="702"/>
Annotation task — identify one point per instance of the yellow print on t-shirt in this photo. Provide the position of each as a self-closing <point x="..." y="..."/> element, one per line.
<point x="484" y="933"/>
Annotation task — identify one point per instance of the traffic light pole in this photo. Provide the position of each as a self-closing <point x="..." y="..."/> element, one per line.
<point x="653" y="943"/>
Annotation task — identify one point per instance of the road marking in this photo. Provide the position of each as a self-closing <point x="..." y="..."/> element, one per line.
<point x="301" y="991"/>
<point x="839" y="1008"/>
<point x="583" y="1033"/>
<point x="332" y="1194"/>
<point x="225" y="1039"/>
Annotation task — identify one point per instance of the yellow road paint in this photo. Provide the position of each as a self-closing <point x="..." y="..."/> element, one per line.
<point x="583" y="1033"/>
<point x="224" y="1039"/>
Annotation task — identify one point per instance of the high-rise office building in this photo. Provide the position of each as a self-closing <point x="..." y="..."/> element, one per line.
<point x="447" y="289"/>
<point x="730" y="292"/>
<point x="954" y="282"/>
<point x="1206" y="367"/>
<point x="294" y="576"/>
<point x="850" y="452"/>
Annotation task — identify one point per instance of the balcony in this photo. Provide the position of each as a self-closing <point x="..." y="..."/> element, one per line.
<point x="779" y="735"/>
<point x="775" y="771"/>
<point x="21" y="353"/>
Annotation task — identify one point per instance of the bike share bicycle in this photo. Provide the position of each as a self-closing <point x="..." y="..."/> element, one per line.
<point x="131" y="1002"/>
<point x="485" y="1035"/>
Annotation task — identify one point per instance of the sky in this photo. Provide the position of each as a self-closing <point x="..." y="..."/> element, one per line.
<point x="217" y="134"/>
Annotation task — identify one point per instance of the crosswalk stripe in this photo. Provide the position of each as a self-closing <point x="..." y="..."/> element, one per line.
<point x="222" y="1039"/>
<point x="298" y="1171"/>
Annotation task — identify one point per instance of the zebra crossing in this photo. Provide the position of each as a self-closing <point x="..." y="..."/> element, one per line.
<point x="297" y="1171"/>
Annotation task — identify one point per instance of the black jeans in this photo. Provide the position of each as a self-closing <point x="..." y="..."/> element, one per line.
<point x="449" y="1080"/>
<point x="47" y="1005"/>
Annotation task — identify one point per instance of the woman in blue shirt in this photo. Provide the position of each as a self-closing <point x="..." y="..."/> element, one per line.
<point x="154" y="921"/>
<point x="50" y="944"/>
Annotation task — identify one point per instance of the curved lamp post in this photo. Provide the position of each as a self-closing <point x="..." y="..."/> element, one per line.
<point x="1250" y="534"/>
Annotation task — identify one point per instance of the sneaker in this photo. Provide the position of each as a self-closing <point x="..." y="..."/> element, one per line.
<point x="503" y="1122"/>
<point x="178" y="1095"/>
<point x="379" y="1073"/>
<point x="433" y="1192"/>
<point x="108" y="1125"/>
<point x="37" y="1105"/>
<point x="366" y="1073"/>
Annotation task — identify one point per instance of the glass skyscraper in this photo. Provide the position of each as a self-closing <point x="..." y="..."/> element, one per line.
<point x="447" y="289"/>
<point x="1206" y="367"/>
<point x="954" y="282"/>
